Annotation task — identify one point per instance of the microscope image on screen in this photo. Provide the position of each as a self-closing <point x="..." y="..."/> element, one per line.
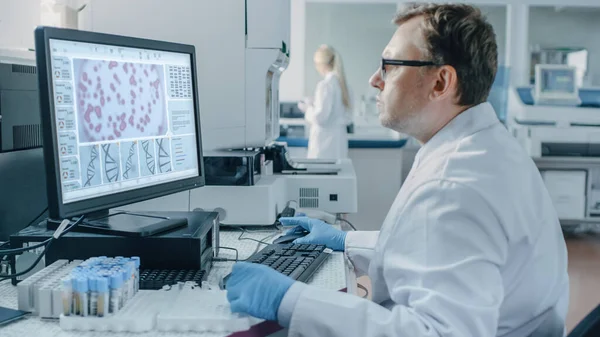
<point x="119" y="100"/>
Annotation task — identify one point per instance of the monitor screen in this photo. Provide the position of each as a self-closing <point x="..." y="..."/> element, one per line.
<point x="123" y="116"/>
<point x="558" y="81"/>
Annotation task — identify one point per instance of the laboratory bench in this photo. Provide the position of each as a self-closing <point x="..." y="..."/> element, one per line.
<point x="334" y="274"/>
<point x="380" y="161"/>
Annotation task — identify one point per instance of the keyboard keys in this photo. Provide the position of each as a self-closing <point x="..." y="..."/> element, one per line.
<point x="293" y="260"/>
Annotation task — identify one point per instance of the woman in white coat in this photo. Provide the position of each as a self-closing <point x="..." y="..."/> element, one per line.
<point x="329" y="113"/>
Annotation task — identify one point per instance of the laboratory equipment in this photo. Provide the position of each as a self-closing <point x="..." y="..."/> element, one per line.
<point x="567" y="188"/>
<point x="256" y="205"/>
<point x="555" y="85"/>
<point x="299" y="262"/>
<point x="233" y="168"/>
<point x="23" y="196"/>
<point x="261" y="203"/>
<point x="19" y="107"/>
<point x="574" y="57"/>
<point x="189" y="247"/>
<point x="107" y="100"/>
<point x="21" y="158"/>
<point x="553" y="124"/>
<point x="154" y="279"/>
<point x="44" y="293"/>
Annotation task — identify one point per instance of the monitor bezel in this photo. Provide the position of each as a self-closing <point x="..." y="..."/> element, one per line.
<point x="57" y="209"/>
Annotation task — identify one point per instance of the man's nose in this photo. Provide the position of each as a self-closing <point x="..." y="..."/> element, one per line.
<point x="376" y="81"/>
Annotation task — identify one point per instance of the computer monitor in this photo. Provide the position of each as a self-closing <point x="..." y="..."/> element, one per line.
<point x="120" y="120"/>
<point x="556" y="84"/>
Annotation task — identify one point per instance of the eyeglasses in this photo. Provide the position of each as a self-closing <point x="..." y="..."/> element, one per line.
<point x="408" y="63"/>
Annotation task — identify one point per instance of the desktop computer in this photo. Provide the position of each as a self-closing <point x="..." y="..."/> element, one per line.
<point x="121" y="124"/>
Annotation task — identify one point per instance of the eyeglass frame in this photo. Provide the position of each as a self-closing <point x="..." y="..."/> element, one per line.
<point x="408" y="63"/>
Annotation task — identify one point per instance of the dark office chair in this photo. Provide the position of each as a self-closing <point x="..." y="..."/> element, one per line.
<point x="589" y="326"/>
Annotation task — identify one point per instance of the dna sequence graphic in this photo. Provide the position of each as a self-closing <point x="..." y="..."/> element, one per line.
<point x="129" y="162"/>
<point x="149" y="156"/>
<point x="111" y="166"/>
<point x="164" y="159"/>
<point x="91" y="167"/>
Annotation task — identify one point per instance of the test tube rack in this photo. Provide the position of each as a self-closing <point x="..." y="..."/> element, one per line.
<point x="41" y="293"/>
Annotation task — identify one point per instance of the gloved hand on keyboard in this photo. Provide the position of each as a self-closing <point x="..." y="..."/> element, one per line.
<point x="257" y="290"/>
<point x="321" y="233"/>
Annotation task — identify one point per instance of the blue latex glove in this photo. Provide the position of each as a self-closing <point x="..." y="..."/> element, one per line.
<point x="321" y="233"/>
<point x="256" y="290"/>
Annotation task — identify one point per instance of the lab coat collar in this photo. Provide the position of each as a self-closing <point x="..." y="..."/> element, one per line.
<point x="329" y="75"/>
<point x="468" y="122"/>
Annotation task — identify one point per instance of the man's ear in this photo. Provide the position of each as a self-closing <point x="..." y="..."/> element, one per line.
<point x="445" y="83"/>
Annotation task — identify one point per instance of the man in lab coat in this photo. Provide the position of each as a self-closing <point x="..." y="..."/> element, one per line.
<point x="472" y="245"/>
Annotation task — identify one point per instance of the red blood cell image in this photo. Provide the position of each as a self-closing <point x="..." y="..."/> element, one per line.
<point x="95" y="86"/>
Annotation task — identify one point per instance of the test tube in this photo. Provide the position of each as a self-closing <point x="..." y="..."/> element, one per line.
<point x="76" y="306"/>
<point x="131" y="276"/>
<point x="136" y="261"/>
<point x="116" y="284"/>
<point x="126" y="282"/>
<point x="103" y="296"/>
<point x="82" y="289"/>
<point x="92" y="283"/>
<point x="67" y="295"/>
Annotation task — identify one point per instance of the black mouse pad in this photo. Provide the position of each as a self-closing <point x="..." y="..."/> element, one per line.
<point x="8" y="315"/>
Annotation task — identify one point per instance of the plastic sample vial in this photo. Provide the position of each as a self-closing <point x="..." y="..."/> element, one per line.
<point x="82" y="290"/>
<point x="126" y="282"/>
<point x="67" y="295"/>
<point x="116" y="285"/>
<point x="76" y="306"/>
<point x="103" y="296"/>
<point x="131" y="275"/>
<point x="136" y="285"/>
<point x="92" y="284"/>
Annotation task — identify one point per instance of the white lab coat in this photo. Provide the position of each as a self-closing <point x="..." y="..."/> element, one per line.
<point x="327" y="118"/>
<point x="472" y="246"/>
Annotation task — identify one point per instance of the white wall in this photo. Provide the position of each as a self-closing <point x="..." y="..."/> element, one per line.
<point x="359" y="32"/>
<point x="568" y="28"/>
<point x="18" y="18"/>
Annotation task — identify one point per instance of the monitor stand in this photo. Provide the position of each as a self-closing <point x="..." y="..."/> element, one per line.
<point x="125" y="223"/>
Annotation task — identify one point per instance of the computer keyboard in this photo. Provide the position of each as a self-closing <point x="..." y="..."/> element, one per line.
<point x="298" y="261"/>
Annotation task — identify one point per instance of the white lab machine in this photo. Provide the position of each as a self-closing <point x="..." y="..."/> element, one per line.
<point x="567" y="189"/>
<point x="556" y="85"/>
<point x="551" y="119"/>
<point x="242" y="48"/>
<point x="558" y="124"/>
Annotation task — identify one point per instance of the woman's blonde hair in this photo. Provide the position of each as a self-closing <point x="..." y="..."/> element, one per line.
<point x="328" y="56"/>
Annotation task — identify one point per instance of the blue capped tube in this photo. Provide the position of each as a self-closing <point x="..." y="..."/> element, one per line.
<point x="67" y="295"/>
<point x="116" y="286"/>
<point x="103" y="296"/>
<point x="82" y="292"/>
